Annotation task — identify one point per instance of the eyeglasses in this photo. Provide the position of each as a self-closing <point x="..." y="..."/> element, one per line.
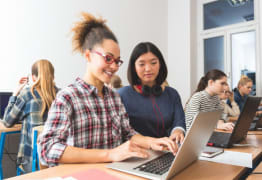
<point x="227" y="92"/>
<point x="109" y="59"/>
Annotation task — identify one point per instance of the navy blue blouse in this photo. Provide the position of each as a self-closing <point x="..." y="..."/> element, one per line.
<point x="240" y="100"/>
<point x="154" y="116"/>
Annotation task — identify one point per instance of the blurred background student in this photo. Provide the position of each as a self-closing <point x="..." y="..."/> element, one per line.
<point x="115" y="82"/>
<point x="206" y="98"/>
<point x="228" y="95"/>
<point x="242" y="91"/>
<point x="30" y="106"/>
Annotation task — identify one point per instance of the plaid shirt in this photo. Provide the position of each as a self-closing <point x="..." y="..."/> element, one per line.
<point x="80" y="118"/>
<point x="24" y="108"/>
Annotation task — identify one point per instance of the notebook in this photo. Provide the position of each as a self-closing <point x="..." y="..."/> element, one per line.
<point x="226" y="139"/>
<point x="163" y="165"/>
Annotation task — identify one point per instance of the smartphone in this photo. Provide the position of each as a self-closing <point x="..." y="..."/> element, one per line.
<point x="211" y="151"/>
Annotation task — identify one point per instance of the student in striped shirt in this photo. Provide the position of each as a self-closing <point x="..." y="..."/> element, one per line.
<point x="87" y="123"/>
<point x="206" y="98"/>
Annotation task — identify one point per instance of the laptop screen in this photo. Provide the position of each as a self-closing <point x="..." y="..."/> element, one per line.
<point x="4" y="98"/>
<point x="245" y="118"/>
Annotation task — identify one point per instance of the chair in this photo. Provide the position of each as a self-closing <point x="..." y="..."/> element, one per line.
<point x="35" y="160"/>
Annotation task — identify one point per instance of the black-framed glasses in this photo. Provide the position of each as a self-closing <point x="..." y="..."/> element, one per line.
<point x="109" y="59"/>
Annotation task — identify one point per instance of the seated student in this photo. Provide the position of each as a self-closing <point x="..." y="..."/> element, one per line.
<point x="87" y="123"/>
<point x="243" y="89"/>
<point x="115" y="82"/>
<point x="154" y="110"/>
<point x="206" y="98"/>
<point x="30" y="105"/>
<point x="232" y="110"/>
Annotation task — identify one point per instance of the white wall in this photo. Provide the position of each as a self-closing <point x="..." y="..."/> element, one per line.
<point x="32" y="29"/>
<point x="179" y="44"/>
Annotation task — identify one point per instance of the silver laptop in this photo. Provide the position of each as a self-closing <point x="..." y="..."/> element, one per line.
<point x="163" y="165"/>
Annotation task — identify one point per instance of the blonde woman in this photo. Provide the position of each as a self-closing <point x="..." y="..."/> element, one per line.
<point x="30" y="105"/>
<point x="243" y="89"/>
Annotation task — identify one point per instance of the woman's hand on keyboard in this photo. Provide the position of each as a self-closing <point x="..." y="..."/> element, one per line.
<point x="165" y="143"/>
<point x="127" y="150"/>
<point x="177" y="136"/>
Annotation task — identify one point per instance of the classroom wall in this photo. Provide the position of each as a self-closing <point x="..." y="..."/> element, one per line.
<point x="31" y="30"/>
<point x="179" y="34"/>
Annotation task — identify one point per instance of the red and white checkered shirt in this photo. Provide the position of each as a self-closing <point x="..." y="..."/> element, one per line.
<point x="80" y="118"/>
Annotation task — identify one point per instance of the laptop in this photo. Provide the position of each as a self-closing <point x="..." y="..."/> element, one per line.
<point x="163" y="165"/>
<point x="4" y="98"/>
<point x="225" y="139"/>
<point x="256" y="124"/>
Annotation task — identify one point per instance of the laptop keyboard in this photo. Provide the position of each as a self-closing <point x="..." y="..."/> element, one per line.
<point x="159" y="165"/>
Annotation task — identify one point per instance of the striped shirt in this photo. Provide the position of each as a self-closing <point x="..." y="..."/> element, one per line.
<point x="79" y="117"/>
<point x="202" y="102"/>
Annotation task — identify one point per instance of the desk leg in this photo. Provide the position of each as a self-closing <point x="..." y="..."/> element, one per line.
<point x="2" y="144"/>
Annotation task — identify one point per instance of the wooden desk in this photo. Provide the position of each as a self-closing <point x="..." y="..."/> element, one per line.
<point x="199" y="170"/>
<point x="16" y="127"/>
<point x="203" y="170"/>
<point x="258" y="132"/>
<point x="255" y="176"/>
<point x="4" y="131"/>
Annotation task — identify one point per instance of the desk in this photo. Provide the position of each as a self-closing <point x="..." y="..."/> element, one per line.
<point x="254" y="176"/>
<point x="4" y="131"/>
<point x="198" y="170"/>
<point x="203" y="170"/>
<point x="258" y="132"/>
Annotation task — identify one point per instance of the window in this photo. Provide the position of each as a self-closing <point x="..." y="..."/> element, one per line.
<point x="226" y="12"/>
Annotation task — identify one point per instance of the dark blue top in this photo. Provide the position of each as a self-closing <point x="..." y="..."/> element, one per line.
<point x="240" y="100"/>
<point x="153" y="116"/>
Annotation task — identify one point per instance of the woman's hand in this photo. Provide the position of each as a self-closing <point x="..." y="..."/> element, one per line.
<point x="177" y="136"/>
<point x="165" y="143"/>
<point x="225" y="126"/>
<point x="22" y="82"/>
<point x="127" y="150"/>
<point x="231" y="96"/>
<point x="258" y="113"/>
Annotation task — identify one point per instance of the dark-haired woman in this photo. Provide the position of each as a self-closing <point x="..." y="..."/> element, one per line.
<point x="206" y="98"/>
<point x="154" y="110"/>
<point x="87" y="122"/>
<point x="30" y="106"/>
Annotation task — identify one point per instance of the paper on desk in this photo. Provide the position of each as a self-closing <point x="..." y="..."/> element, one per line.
<point x="60" y="178"/>
<point x="233" y="158"/>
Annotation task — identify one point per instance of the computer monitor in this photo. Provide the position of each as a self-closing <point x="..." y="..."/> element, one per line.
<point x="4" y="98"/>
